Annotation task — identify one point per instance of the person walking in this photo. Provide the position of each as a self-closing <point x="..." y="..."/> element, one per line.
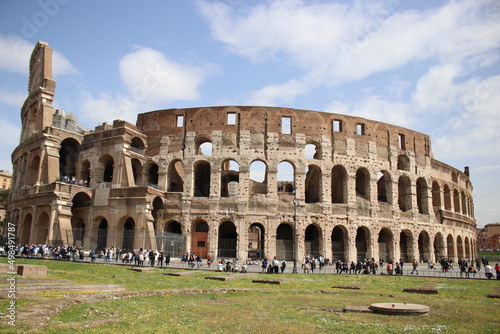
<point x="415" y="267"/>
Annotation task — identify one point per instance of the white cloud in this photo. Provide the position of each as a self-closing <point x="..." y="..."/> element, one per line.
<point x="275" y="95"/>
<point x="16" y="53"/>
<point x="12" y="98"/>
<point x="9" y="137"/>
<point x="150" y="80"/>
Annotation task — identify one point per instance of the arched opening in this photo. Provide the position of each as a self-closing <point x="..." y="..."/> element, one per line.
<point x="79" y="210"/>
<point x="25" y="237"/>
<point x="404" y="193"/>
<point x="424" y="244"/>
<point x="447" y="198"/>
<point x="137" y="171"/>
<point x="137" y="145"/>
<point x="258" y="177"/>
<point x="107" y="163"/>
<point x="450" y="246"/>
<point x="173" y="227"/>
<point x="78" y="227"/>
<point x="42" y="228"/>
<point x="203" y="146"/>
<point x="460" y="248"/>
<point x="284" y="242"/>
<point x="286" y="177"/>
<point x="199" y="243"/>
<point x="405" y="245"/>
<point x="230" y="178"/>
<point x="228" y="239"/>
<point x="311" y="151"/>
<point x="339" y="184"/>
<point x="312" y="239"/>
<point x="68" y="157"/>
<point x="403" y="163"/>
<point x="256" y="237"/>
<point x="33" y="170"/>
<point x="422" y="196"/>
<point x="85" y="172"/>
<point x="202" y="179"/>
<point x="385" y="245"/>
<point x="313" y="184"/>
<point x="363" y="183"/>
<point x="464" y="204"/>
<point x="339" y="241"/>
<point x="128" y="235"/>
<point x="439" y="247"/>
<point x="102" y="235"/>
<point x="153" y="175"/>
<point x="384" y="193"/>
<point x="467" y="248"/>
<point x="436" y="195"/>
<point x="171" y="241"/>
<point x="157" y="212"/>
<point x="176" y="176"/>
<point x="456" y="201"/>
<point x="362" y="240"/>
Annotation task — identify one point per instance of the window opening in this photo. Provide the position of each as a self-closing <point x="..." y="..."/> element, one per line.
<point x="286" y="125"/>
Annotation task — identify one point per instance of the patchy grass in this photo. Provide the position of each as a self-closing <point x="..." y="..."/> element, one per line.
<point x="299" y="304"/>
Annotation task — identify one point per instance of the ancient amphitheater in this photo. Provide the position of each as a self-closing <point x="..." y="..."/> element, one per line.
<point x="235" y="181"/>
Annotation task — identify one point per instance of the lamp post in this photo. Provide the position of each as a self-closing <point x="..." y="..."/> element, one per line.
<point x="295" y="248"/>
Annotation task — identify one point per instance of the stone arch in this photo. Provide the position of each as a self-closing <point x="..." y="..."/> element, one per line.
<point x="152" y="170"/>
<point x="406" y="245"/>
<point x="33" y="170"/>
<point x="176" y="176"/>
<point x="436" y="194"/>
<point x="403" y="163"/>
<point x="256" y="241"/>
<point x="464" y="203"/>
<point x="363" y="183"/>
<point x="202" y="179"/>
<point x="450" y="245"/>
<point x="203" y="145"/>
<point x="157" y="212"/>
<point x="199" y="239"/>
<point x="27" y="225"/>
<point x="107" y="164"/>
<point x="467" y="248"/>
<point x="313" y="184"/>
<point x="80" y="207"/>
<point x="42" y="228"/>
<point x="173" y="227"/>
<point x="439" y="247"/>
<point x="362" y="243"/>
<point x="258" y="177"/>
<point x="339" y="184"/>
<point x="230" y="178"/>
<point x="228" y="240"/>
<point x="102" y="234"/>
<point x="136" y="171"/>
<point x="128" y="234"/>
<point x="384" y="187"/>
<point x="422" y="195"/>
<point x="284" y="242"/>
<point x="424" y="247"/>
<point x="340" y="239"/>
<point x="404" y="193"/>
<point x="456" y="201"/>
<point x="386" y="245"/>
<point x="312" y="150"/>
<point x="286" y="177"/>
<point x="68" y="157"/>
<point x="78" y="227"/>
<point x="460" y="247"/>
<point x="137" y="145"/>
<point x="85" y="172"/>
<point x="447" y="197"/>
<point x="312" y="240"/>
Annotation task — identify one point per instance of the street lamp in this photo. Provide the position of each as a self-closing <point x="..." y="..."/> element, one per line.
<point x="295" y="248"/>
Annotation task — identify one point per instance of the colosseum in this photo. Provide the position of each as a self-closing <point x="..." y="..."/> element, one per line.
<point x="235" y="181"/>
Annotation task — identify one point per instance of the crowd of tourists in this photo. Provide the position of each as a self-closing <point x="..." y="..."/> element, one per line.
<point x="73" y="180"/>
<point x="468" y="268"/>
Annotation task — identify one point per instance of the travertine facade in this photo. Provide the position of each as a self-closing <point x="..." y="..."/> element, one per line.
<point x="237" y="182"/>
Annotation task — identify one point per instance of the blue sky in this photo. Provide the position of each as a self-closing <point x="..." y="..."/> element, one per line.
<point x="431" y="66"/>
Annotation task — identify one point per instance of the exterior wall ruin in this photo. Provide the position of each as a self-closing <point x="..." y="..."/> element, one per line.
<point x="240" y="181"/>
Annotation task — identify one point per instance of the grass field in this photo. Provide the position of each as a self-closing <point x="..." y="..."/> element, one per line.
<point x="302" y="303"/>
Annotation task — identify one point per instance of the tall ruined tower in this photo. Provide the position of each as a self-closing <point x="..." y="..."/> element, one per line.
<point x="37" y="110"/>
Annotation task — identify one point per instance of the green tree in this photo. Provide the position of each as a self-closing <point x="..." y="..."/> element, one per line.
<point x="4" y="195"/>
